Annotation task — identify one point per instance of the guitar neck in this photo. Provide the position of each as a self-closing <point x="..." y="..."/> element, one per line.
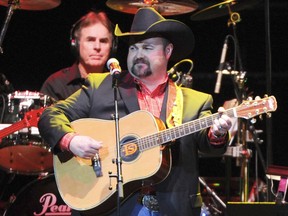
<point x="171" y="134"/>
<point x="247" y="110"/>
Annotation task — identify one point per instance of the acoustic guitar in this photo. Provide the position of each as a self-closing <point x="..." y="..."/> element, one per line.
<point x="142" y="149"/>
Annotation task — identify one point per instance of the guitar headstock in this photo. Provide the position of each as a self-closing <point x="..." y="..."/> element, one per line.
<point x="251" y="108"/>
<point x="31" y="118"/>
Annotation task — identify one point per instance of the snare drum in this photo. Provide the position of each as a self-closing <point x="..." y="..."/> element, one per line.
<point x="38" y="198"/>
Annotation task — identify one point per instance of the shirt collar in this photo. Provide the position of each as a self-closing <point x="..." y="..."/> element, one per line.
<point x="73" y="74"/>
<point x="160" y="89"/>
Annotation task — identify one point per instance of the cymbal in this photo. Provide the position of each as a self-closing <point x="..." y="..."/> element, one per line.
<point x="164" y="7"/>
<point x="210" y="10"/>
<point x="32" y="4"/>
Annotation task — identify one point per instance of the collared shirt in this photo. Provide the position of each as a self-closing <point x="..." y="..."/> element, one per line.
<point x="63" y="83"/>
<point x="151" y="101"/>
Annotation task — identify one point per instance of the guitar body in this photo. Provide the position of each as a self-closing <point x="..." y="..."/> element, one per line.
<point x="77" y="182"/>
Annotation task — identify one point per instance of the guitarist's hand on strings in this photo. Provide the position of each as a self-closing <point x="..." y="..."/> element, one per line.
<point x="84" y="146"/>
<point x="220" y="126"/>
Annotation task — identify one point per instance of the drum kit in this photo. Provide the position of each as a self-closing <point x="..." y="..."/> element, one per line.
<point x="25" y="156"/>
<point x="22" y="150"/>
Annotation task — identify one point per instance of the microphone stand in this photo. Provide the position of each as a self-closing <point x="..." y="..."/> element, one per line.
<point x="257" y="141"/>
<point x="118" y="159"/>
<point x="240" y="92"/>
<point x="239" y="89"/>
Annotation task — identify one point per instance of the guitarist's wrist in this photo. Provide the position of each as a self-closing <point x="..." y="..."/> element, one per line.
<point x="216" y="139"/>
<point x="65" y="141"/>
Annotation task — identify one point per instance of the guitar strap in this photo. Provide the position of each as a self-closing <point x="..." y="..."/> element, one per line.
<point x="174" y="105"/>
<point x="174" y="110"/>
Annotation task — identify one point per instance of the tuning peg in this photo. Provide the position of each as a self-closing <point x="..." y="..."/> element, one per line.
<point x="253" y="120"/>
<point x="261" y="117"/>
<point x="268" y="115"/>
<point x="249" y="98"/>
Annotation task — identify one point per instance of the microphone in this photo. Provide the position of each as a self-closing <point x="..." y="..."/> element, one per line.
<point x="221" y="66"/>
<point x="173" y="74"/>
<point x="114" y="67"/>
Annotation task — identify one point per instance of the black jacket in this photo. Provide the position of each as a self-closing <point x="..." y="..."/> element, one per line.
<point x="179" y="193"/>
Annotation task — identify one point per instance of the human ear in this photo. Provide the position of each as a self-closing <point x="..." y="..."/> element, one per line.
<point x="168" y="50"/>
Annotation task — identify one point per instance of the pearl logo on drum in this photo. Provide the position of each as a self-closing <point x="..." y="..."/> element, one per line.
<point x="49" y="203"/>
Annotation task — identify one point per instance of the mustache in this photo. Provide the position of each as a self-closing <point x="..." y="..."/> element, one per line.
<point x="140" y="60"/>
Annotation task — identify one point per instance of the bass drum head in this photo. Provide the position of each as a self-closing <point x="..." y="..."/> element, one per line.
<point x="38" y="198"/>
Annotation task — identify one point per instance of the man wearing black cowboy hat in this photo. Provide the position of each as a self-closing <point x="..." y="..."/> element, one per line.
<point x="161" y="183"/>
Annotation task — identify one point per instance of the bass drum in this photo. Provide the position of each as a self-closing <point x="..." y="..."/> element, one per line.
<point x="38" y="198"/>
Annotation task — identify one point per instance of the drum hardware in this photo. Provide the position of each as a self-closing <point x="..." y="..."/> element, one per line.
<point x="210" y="9"/>
<point x="22" y="150"/>
<point x="216" y="201"/>
<point x="280" y="174"/>
<point x="164" y="7"/>
<point x="205" y="210"/>
<point x="19" y="102"/>
<point x="12" y="5"/>
<point x="33" y="5"/>
<point x="25" y="5"/>
<point x="239" y="82"/>
<point x="241" y="151"/>
<point x="258" y="192"/>
<point x="238" y="151"/>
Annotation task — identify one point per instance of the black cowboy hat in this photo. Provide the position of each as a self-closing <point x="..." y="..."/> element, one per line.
<point x="148" y="22"/>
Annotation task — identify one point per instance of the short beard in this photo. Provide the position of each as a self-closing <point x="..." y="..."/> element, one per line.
<point x="135" y="69"/>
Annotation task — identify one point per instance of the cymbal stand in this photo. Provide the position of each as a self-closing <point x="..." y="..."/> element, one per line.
<point x="12" y="5"/>
<point x="240" y="92"/>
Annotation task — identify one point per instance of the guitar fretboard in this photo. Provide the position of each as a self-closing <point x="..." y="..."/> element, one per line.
<point x="171" y="134"/>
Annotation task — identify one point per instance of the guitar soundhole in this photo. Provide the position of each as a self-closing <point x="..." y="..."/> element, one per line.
<point x="129" y="149"/>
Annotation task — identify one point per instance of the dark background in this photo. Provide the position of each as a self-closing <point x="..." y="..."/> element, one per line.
<point x="37" y="44"/>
